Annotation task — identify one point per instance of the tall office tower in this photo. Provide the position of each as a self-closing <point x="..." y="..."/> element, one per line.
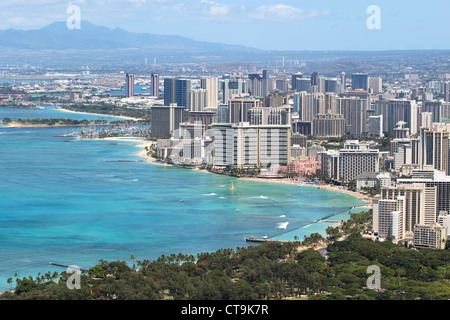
<point x="434" y="148"/>
<point x="233" y="88"/>
<point x="447" y="91"/>
<point x="265" y="83"/>
<point x="375" y="85"/>
<point x="247" y="146"/>
<point x="328" y="125"/>
<point x="315" y="79"/>
<point x="256" y="83"/>
<point x="222" y="114"/>
<point x="343" y="82"/>
<point x="212" y="87"/>
<point x="129" y="85"/>
<point x="331" y="85"/>
<point x="426" y="119"/>
<point x="303" y="85"/>
<point x="330" y="103"/>
<point x="403" y="156"/>
<point x="238" y="109"/>
<point x="294" y="78"/>
<point x="353" y="162"/>
<point x="282" y="83"/>
<point x="389" y="217"/>
<point x="360" y="81"/>
<point x="198" y="99"/>
<point x="280" y="115"/>
<point x="376" y="126"/>
<point x="354" y="111"/>
<point x="397" y="110"/>
<point x="435" y="107"/>
<point x="309" y="105"/>
<point x="318" y="103"/>
<point x="155" y="85"/>
<point x="183" y="93"/>
<point x="166" y="119"/>
<point x="296" y="100"/>
<point x="420" y="203"/>
<point x="170" y="93"/>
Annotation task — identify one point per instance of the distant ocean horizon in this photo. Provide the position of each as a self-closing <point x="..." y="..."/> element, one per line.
<point x="74" y="202"/>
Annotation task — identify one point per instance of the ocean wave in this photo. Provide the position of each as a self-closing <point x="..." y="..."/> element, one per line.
<point x="283" y="216"/>
<point x="282" y="225"/>
<point x="211" y="194"/>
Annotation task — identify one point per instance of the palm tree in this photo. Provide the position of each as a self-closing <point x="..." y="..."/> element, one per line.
<point x="10" y="281"/>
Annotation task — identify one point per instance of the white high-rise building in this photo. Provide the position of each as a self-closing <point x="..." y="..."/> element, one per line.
<point x="355" y="161"/>
<point x="420" y="203"/>
<point x="375" y="85"/>
<point x="245" y="146"/>
<point x="430" y="236"/>
<point x="376" y="126"/>
<point x="434" y="147"/>
<point x="211" y="85"/>
<point x="198" y="99"/>
<point x="389" y="218"/>
<point x="355" y="113"/>
<point x="398" y="110"/>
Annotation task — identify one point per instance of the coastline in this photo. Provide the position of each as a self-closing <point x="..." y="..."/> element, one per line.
<point x="361" y="196"/>
<point x="21" y="125"/>
<point x="98" y="114"/>
<point x="144" y="143"/>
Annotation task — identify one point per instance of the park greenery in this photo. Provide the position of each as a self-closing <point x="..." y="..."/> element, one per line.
<point x="334" y="268"/>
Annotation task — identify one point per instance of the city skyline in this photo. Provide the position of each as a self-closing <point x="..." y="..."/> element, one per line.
<point x="289" y="25"/>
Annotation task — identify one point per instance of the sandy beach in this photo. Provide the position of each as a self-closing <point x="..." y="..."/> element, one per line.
<point x="142" y="144"/>
<point x="143" y="153"/>
<point x="361" y="196"/>
<point x="97" y="114"/>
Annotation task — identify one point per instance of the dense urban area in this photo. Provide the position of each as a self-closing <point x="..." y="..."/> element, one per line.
<point x="376" y="127"/>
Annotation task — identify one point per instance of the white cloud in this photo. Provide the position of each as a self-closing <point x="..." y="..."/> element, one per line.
<point x="282" y="12"/>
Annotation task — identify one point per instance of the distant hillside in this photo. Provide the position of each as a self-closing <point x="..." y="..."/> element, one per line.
<point x="91" y="37"/>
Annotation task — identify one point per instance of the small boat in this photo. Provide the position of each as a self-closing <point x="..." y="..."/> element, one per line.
<point x="232" y="187"/>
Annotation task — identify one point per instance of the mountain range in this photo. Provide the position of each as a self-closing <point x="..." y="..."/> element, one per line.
<point x="57" y="36"/>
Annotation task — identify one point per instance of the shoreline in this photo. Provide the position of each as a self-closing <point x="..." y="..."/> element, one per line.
<point x="361" y="196"/>
<point x="97" y="114"/>
<point x="367" y="199"/>
<point x="20" y="125"/>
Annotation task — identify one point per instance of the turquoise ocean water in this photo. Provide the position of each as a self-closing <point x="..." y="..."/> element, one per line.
<point x="75" y="202"/>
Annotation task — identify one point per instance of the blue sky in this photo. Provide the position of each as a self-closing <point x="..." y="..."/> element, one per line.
<point x="264" y="24"/>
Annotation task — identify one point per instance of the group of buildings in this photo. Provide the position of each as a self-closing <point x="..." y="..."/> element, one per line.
<point x="264" y="121"/>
